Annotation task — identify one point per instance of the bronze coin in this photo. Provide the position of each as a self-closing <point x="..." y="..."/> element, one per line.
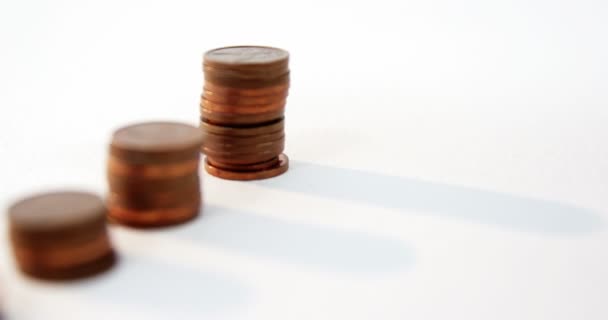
<point x="245" y="57"/>
<point x="58" y="232"/>
<point x="51" y="240"/>
<point x="242" y="110"/>
<point x="158" y="197"/>
<point x="63" y="256"/>
<point x="242" y="141"/>
<point x="119" y="167"/>
<point x="248" y="68"/>
<point x="149" y="158"/>
<point x="156" y="142"/>
<point x="121" y="184"/>
<point x="227" y="90"/>
<point x="178" y="187"/>
<point x="244" y="148"/>
<point x="240" y="149"/>
<point x="276" y="170"/>
<point x="84" y="270"/>
<point x="241" y="120"/>
<point x="244" y="100"/>
<point x="240" y="156"/>
<point x="56" y="216"/>
<point x="242" y="159"/>
<point x="155" y="200"/>
<point x="152" y="218"/>
<point x="244" y="168"/>
<point x="248" y="84"/>
<point x="247" y="73"/>
<point x="154" y="203"/>
<point x="272" y="127"/>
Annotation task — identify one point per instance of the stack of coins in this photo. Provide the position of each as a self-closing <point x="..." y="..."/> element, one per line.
<point x="153" y="174"/>
<point x="60" y="235"/>
<point x="242" y="112"/>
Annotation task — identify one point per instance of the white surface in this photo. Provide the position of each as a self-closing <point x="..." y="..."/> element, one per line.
<point x="449" y="158"/>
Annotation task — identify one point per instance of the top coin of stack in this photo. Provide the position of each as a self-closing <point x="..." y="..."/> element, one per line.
<point x="242" y="111"/>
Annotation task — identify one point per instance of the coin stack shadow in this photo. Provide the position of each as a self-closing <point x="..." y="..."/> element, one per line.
<point x="153" y="174"/>
<point x="242" y="112"/>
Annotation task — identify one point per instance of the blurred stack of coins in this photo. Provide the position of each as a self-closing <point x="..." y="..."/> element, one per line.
<point x="242" y="112"/>
<point x="153" y="174"/>
<point x="60" y="235"/>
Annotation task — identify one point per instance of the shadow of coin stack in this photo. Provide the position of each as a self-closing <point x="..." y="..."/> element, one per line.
<point x="153" y="174"/>
<point x="242" y="112"/>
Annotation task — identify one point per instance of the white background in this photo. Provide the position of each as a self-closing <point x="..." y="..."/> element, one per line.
<point x="449" y="158"/>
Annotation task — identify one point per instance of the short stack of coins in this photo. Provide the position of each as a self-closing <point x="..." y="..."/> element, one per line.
<point x="60" y="235"/>
<point x="242" y="112"/>
<point x="153" y="174"/>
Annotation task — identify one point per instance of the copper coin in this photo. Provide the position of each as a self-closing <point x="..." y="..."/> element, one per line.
<point x="248" y="167"/>
<point x="243" y="100"/>
<point x="248" y="84"/>
<point x="242" y="110"/>
<point x="57" y="233"/>
<point x="132" y="203"/>
<point x="247" y="73"/>
<point x="50" y="240"/>
<point x="120" y="184"/>
<point x="244" y="149"/>
<point x="121" y="168"/>
<point x="227" y="90"/>
<point x="209" y="128"/>
<point x="56" y="216"/>
<point x="247" y="69"/>
<point x="242" y="159"/>
<point x="84" y="270"/>
<point x="259" y="71"/>
<point x="245" y="56"/>
<point x="240" y="149"/>
<point x="276" y="170"/>
<point x="242" y="120"/>
<point x="156" y="142"/>
<point x="63" y="256"/>
<point x="184" y="188"/>
<point x="160" y="197"/>
<point x="153" y="217"/>
<point x="242" y="141"/>
<point x="154" y="200"/>
<point x="235" y="153"/>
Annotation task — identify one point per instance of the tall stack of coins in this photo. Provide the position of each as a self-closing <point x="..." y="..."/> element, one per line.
<point x="60" y="235"/>
<point x="153" y="174"/>
<point x="242" y="112"/>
